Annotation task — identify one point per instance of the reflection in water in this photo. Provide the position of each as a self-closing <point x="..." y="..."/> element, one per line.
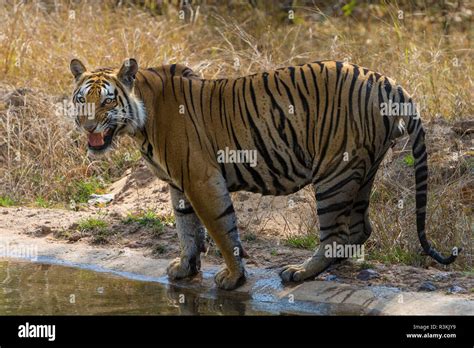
<point x="30" y="288"/>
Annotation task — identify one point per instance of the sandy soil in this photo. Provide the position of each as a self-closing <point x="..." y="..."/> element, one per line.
<point x="264" y="222"/>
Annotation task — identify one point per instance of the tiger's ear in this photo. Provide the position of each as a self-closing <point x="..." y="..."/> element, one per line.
<point x="127" y="72"/>
<point x="77" y="68"/>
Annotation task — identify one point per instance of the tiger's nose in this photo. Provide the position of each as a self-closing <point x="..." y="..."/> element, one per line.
<point x="89" y="127"/>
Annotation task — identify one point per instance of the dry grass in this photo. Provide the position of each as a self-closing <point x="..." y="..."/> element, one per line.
<point x="42" y="158"/>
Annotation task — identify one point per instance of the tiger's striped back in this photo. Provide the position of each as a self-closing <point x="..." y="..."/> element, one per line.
<point x="301" y="120"/>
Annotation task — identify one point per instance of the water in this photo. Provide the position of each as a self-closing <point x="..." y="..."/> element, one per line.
<point x="28" y="288"/>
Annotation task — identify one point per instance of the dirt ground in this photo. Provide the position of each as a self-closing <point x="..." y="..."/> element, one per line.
<point x="265" y="224"/>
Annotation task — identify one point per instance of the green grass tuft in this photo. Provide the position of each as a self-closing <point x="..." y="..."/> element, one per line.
<point x="397" y="255"/>
<point x="409" y="160"/>
<point x="89" y="224"/>
<point x="6" y="201"/>
<point x="42" y="202"/>
<point x="148" y="219"/>
<point x="305" y="241"/>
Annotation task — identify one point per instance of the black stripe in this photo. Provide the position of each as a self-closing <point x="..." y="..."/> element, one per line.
<point x="233" y="229"/>
<point x="341" y="206"/>
<point x="161" y="78"/>
<point x="292" y="75"/>
<point x="172" y="71"/>
<point x="331" y="227"/>
<point x="254" y="99"/>
<point x="335" y="188"/>
<point x="229" y="210"/>
<point x="281" y="126"/>
<point x="184" y="211"/>
<point x="303" y="78"/>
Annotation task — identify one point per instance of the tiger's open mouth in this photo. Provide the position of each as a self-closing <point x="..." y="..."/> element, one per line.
<point x="100" y="141"/>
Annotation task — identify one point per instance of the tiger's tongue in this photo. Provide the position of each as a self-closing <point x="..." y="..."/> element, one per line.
<point x="96" y="139"/>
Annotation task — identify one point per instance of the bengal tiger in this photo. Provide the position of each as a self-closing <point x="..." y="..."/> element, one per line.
<point x="320" y="123"/>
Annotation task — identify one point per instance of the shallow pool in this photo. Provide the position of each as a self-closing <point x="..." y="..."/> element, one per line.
<point x="28" y="288"/>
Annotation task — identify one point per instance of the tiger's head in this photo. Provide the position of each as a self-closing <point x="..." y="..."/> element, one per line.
<point x="104" y="103"/>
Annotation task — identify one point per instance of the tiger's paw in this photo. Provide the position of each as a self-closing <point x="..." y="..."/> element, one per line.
<point x="179" y="269"/>
<point x="294" y="273"/>
<point x="228" y="281"/>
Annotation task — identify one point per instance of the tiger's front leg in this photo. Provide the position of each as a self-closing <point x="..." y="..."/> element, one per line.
<point x="191" y="238"/>
<point x="212" y="203"/>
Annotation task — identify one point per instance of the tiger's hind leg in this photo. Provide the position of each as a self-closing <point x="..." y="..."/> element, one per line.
<point x="191" y="238"/>
<point x="335" y="203"/>
<point x="360" y="226"/>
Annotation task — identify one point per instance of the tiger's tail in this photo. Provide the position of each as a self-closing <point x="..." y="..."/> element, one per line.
<point x="417" y="137"/>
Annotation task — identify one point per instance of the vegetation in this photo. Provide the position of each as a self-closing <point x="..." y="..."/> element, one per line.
<point x="303" y="241"/>
<point x="98" y="228"/>
<point x="6" y="201"/>
<point x="147" y="218"/>
<point x="89" y="224"/>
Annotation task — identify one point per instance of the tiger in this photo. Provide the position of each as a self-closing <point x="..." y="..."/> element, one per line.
<point x="321" y="124"/>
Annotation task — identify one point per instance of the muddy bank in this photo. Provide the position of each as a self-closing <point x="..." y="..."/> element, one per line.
<point x="58" y="229"/>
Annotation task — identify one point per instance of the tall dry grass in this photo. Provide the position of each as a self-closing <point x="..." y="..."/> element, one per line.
<point x="427" y="49"/>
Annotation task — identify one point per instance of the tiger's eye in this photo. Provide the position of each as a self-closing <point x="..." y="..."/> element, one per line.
<point x="81" y="99"/>
<point x="108" y="101"/>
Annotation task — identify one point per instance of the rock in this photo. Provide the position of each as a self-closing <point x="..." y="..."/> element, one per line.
<point x="75" y="237"/>
<point x="133" y="244"/>
<point x="427" y="286"/>
<point x="455" y="289"/>
<point x="367" y="274"/>
<point x="42" y="231"/>
<point x="5" y="212"/>
<point x="100" y="199"/>
<point x="441" y="276"/>
<point x="331" y="278"/>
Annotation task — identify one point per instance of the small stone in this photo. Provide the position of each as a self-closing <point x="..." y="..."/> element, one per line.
<point x="331" y="278"/>
<point x="455" y="289"/>
<point x="96" y="199"/>
<point x="75" y="237"/>
<point x="367" y="274"/>
<point x="427" y="286"/>
<point x="5" y="212"/>
<point x="441" y="276"/>
<point x="133" y="244"/>
<point x="42" y="231"/>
